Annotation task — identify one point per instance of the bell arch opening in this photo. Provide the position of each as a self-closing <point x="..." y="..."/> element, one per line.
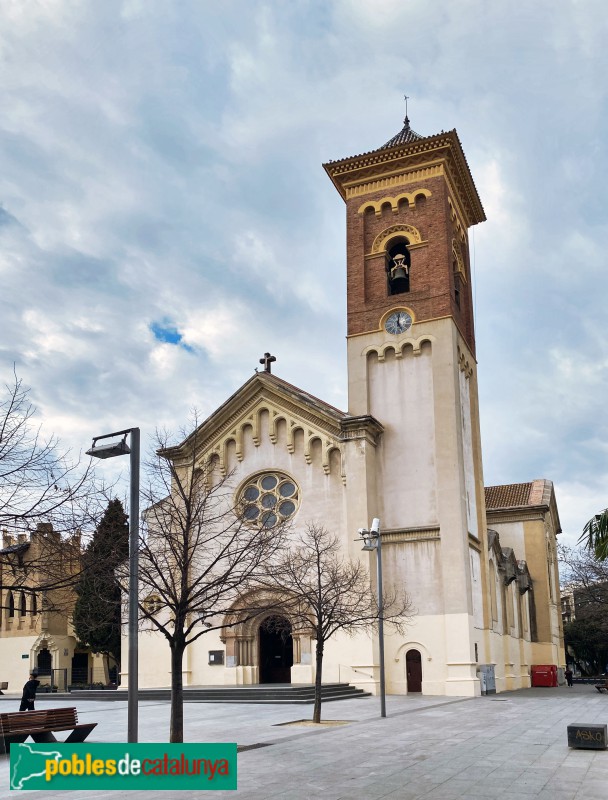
<point x="397" y="265"/>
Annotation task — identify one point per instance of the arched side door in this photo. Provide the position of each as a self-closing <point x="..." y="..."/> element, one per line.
<point x="413" y="670"/>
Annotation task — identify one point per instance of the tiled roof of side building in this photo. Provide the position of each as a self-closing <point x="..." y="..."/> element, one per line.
<point x="508" y="496"/>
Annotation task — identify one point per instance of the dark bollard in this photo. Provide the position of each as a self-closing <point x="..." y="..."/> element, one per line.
<point x="588" y="737"/>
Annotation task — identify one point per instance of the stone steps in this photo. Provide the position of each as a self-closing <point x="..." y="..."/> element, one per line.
<point x="263" y="693"/>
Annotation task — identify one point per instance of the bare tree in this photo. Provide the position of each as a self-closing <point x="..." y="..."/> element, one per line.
<point x="38" y="481"/>
<point x="46" y="493"/>
<point x="327" y="592"/>
<point x="586" y="577"/>
<point x="585" y="584"/>
<point x="198" y="555"/>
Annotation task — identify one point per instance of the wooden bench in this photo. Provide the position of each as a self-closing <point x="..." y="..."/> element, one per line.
<point x="15" y="727"/>
<point x="602" y="687"/>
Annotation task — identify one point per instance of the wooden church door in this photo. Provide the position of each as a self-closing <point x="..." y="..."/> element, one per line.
<point x="413" y="668"/>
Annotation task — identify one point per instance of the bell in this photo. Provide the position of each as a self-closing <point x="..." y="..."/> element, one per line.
<point x="399" y="280"/>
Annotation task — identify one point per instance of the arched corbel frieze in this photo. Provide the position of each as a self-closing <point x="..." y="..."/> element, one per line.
<point x="292" y="429"/>
<point x="224" y="453"/>
<point x="273" y="422"/>
<point x="458" y="260"/>
<point x="253" y="424"/>
<point x="464" y="364"/>
<point x="239" y="443"/>
<point x="330" y="448"/>
<point x="393" y="201"/>
<point x="400" y="348"/>
<point x="457" y="222"/>
<point x="309" y="441"/>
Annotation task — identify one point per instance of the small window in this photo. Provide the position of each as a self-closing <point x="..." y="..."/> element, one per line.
<point x="153" y="604"/>
<point x="11" y="605"/>
<point x="22" y="605"/>
<point x="457" y="289"/>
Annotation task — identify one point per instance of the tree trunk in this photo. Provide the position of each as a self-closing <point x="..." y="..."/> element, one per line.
<point x="176" y="729"/>
<point x="316" y="714"/>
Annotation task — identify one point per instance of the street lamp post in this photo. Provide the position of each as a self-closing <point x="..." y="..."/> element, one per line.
<point x="111" y="450"/>
<point x="373" y="541"/>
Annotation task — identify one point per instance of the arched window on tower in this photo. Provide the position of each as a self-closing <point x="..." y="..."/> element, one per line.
<point x="458" y="271"/>
<point x="398" y="263"/>
<point x="457" y="284"/>
<point x="22" y="605"/>
<point x="11" y="605"/>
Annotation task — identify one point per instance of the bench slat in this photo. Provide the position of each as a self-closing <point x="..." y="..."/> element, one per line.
<point x="15" y="727"/>
<point x="39" y="721"/>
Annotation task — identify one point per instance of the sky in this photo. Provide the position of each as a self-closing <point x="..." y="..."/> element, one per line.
<point x="165" y="218"/>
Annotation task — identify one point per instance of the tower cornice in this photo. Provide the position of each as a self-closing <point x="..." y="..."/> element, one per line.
<point x="349" y="175"/>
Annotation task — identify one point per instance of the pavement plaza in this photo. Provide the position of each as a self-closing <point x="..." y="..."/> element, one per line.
<point x="508" y="745"/>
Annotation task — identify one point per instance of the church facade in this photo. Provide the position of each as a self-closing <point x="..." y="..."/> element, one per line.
<point x="478" y="564"/>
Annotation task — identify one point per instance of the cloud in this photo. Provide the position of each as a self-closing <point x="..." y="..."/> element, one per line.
<point x="161" y="166"/>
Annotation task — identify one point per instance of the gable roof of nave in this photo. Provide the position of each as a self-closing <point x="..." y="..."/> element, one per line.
<point x="264" y="392"/>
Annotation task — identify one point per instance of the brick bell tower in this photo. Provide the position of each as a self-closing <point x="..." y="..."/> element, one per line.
<point x="411" y="366"/>
<point x="414" y="196"/>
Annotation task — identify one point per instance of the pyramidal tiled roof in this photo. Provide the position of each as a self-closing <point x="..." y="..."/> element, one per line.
<point x="405" y="136"/>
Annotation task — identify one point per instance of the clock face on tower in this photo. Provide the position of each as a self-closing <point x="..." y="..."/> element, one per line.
<point x="398" y="322"/>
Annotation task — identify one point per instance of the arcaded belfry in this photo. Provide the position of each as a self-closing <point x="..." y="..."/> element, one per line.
<point x="408" y="451"/>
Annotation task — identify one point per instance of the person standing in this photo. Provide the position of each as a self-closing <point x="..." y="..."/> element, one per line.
<point x="568" y="675"/>
<point x="29" y="692"/>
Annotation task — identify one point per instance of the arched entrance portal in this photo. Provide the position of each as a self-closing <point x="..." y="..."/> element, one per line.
<point x="276" y="650"/>
<point x="44" y="662"/>
<point x="413" y="669"/>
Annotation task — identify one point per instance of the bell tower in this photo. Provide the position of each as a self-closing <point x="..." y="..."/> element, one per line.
<point x="411" y="366"/>
<point x="409" y="206"/>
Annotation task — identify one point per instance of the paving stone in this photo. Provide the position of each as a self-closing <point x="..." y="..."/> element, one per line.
<point x="428" y="747"/>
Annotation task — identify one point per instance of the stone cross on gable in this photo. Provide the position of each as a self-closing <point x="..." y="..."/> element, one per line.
<point x="267" y="361"/>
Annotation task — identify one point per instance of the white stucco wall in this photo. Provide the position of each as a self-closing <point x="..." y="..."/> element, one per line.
<point x="512" y="535"/>
<point x="476" y="588"/>
<point x="401" y="399"/>
<point x="14" y="668"/>
<point x="468" y="463"/>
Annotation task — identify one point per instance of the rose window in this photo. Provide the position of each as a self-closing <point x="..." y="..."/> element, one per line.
<point x="269" y="498"/>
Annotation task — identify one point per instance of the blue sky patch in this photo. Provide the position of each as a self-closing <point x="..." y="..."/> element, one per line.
<point x="167" y="332"/>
